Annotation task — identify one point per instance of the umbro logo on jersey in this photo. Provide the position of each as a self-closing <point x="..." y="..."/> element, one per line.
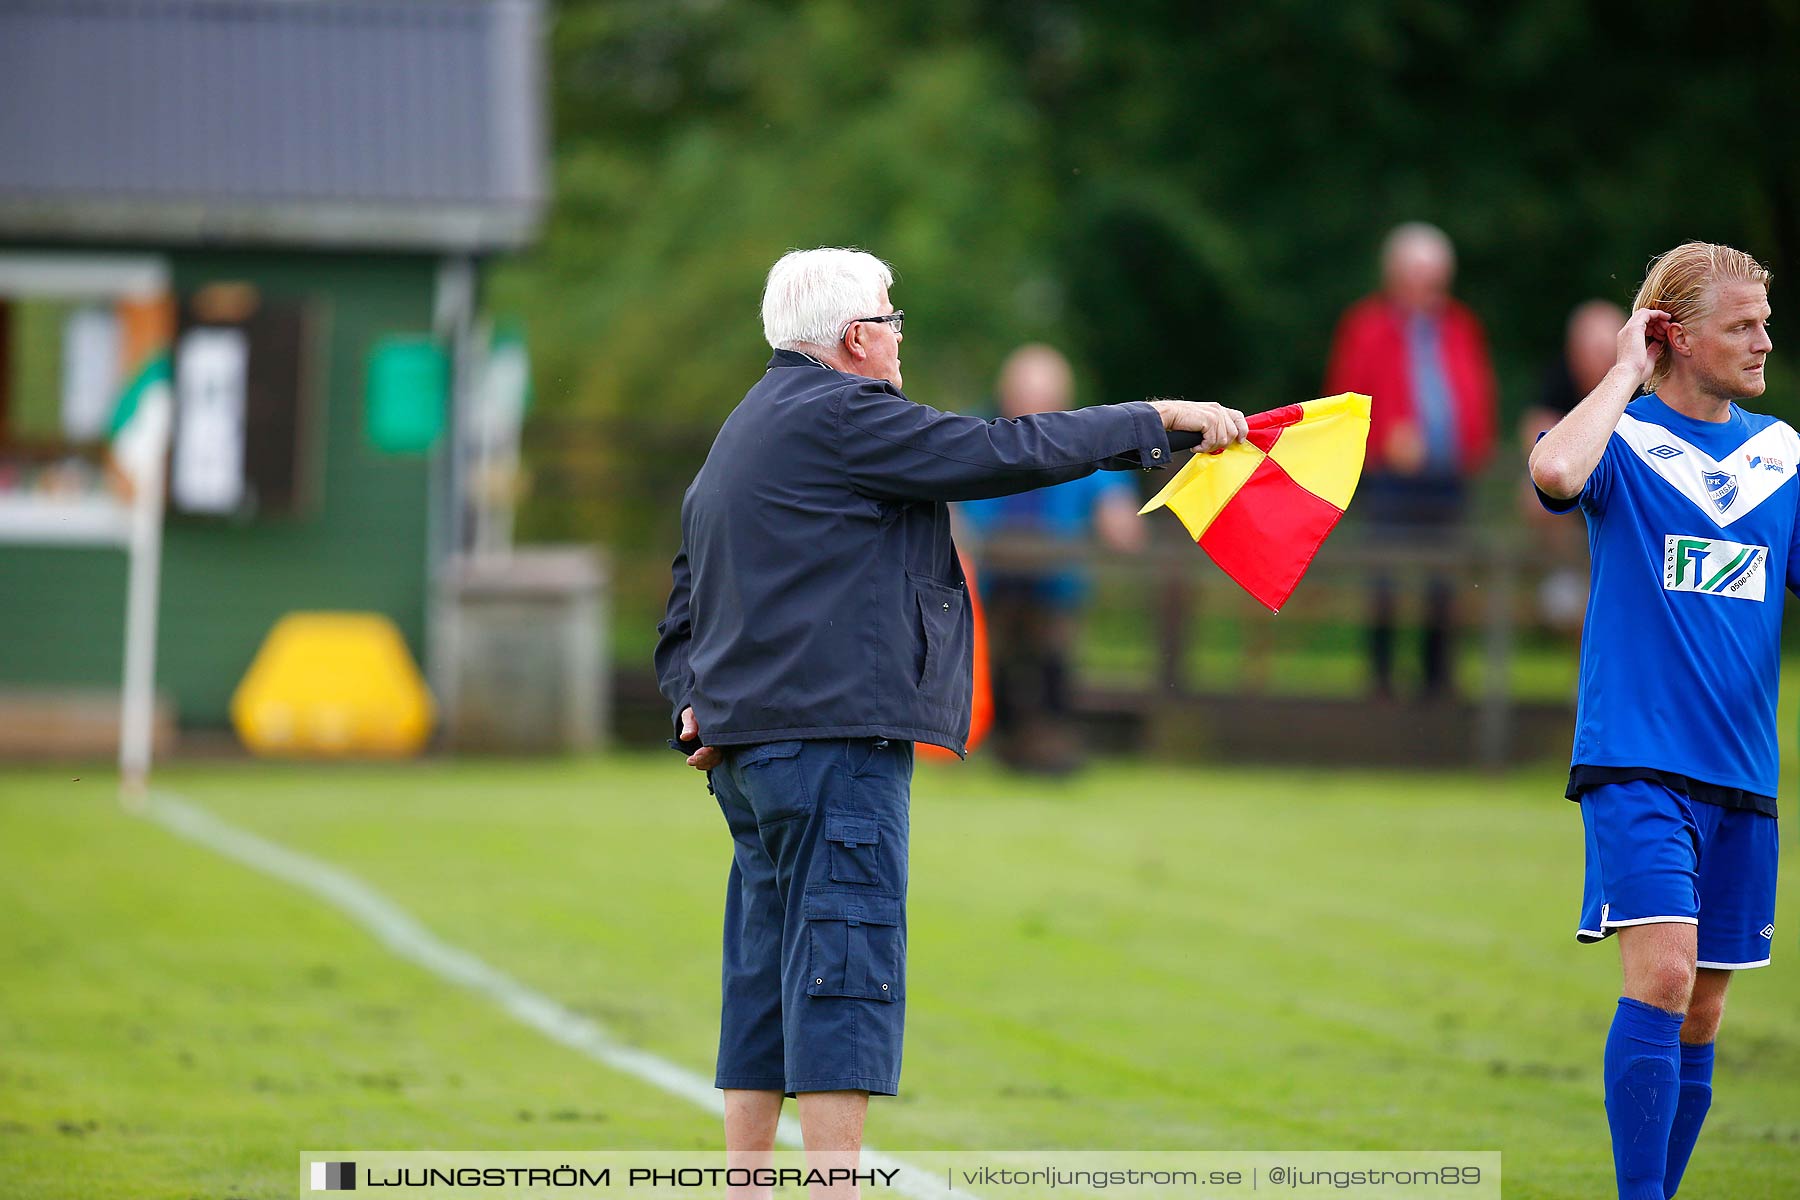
<point x="1664" y="451"/>
<point x="1721" y="488"/>
<point x="1766" y="463"/>
<point x="1713" y="567"/>
<point x="1768" y="931"/>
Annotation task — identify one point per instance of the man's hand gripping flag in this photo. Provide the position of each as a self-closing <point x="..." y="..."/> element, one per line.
<point x="1261" y="508"/>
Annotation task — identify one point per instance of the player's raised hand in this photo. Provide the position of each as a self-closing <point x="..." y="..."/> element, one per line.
<point x="1218" y="426"/>
<point x="1643" y="341"/>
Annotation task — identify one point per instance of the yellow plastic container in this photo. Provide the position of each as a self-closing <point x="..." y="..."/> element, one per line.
<point x="333" y="685"/>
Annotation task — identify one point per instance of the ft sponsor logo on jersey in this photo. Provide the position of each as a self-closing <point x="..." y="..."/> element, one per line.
<point x="1766" y="462"/>
<point x="1714" y="567"/>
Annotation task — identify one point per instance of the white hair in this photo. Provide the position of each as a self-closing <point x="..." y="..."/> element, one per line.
<point x="812" y="294"/>
<point x="1416" y="236"/>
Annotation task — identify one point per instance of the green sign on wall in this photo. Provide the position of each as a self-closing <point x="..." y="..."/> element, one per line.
<point x="408" y="394"/>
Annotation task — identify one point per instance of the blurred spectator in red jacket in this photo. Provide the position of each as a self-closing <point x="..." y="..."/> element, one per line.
<point x="1422" y="359"/>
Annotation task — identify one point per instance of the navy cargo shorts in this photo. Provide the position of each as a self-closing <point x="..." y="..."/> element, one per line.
<point x="814" y="976"/>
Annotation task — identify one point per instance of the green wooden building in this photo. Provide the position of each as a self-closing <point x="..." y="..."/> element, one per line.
<point x="294" y="203"/>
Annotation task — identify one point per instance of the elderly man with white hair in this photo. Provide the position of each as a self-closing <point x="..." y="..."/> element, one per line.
<point x="818" y="626"/>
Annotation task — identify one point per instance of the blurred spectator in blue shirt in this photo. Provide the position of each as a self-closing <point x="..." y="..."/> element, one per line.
<point x="1033" y="611"/>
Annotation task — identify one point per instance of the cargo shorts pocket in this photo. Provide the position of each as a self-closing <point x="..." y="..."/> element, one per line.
<point x="769" y="776"/>
<point x="855" y="946"/>
<point x="855" y="847"/>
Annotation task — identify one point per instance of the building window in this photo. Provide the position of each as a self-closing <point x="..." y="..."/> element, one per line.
<point x="76" y="334"/>
<point x="242" y="431"/>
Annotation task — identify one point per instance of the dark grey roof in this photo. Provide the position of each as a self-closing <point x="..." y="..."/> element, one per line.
<point x="405" y="123"/>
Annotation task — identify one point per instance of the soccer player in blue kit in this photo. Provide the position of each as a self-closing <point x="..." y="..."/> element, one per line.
<point x="1690" y="504"/>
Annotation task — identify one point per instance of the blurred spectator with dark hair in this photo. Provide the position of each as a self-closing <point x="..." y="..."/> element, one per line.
<point x="1422" y="358"/>
<point x="1033" y="610"/>
<point x="1590" y="346"/>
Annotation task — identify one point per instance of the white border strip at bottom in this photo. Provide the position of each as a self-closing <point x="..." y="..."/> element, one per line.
<point x="1609" y="924"/>
<point x="402" y="933"/>
<point x="1590" y="936"/>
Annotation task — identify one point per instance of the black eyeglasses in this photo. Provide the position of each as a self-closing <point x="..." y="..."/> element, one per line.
<point x="895" y="318"/>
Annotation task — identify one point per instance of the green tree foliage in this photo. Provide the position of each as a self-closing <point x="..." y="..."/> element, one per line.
<point x="696" y="143"/>
<point x="1248" y="159"/>
<point x="1185" y="195"/>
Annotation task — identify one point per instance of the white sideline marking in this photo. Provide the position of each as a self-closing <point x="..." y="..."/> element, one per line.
<point x="402" y="933"/>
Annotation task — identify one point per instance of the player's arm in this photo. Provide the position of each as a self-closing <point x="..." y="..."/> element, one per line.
<point x="1564" y="458"/>
<point x="1116" y="519"/>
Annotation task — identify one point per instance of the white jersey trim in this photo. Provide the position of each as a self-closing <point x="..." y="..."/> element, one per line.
<point x="1737" y="488"/>
<point x="1609" y="923"/>
<point x="1745" y="966"/>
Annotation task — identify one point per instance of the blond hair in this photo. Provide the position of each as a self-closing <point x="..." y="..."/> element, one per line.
<point x="1682" y="283"/>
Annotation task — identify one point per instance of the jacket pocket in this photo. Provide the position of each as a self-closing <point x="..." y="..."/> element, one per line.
<point x="855" y="848"/>
<point x="940" y="609"/>
<point x="855" y="946"/>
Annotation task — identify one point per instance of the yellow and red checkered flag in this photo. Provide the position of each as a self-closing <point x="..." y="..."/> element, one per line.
<point x="1261" y="508"/>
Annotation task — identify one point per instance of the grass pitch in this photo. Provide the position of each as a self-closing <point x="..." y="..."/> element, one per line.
<point x="1145" y="958"/>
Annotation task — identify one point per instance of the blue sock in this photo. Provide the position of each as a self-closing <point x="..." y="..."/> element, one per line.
<point x="1643" y="1077"/>
<point x="1690" y="1111"/>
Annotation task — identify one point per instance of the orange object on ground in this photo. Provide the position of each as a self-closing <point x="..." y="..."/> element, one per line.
<point x="981" y="704"/>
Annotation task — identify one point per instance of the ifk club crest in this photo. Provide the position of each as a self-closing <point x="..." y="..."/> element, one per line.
<point x="1721" y="488"/>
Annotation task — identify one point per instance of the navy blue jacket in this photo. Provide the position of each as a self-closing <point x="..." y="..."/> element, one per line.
<point x="817" y="593"/>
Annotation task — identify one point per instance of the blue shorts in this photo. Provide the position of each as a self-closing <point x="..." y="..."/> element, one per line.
<point x="1655" y="857"/>
<point x="814" y="980"/>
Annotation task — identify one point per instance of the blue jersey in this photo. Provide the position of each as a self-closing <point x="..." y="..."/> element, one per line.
<point x="1063" y="512"/>
<point x="1691" y="526"/>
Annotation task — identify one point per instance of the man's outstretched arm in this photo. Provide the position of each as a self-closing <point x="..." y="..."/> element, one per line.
<point x="1565" y="457"/>
<point x="895" y="449"/>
